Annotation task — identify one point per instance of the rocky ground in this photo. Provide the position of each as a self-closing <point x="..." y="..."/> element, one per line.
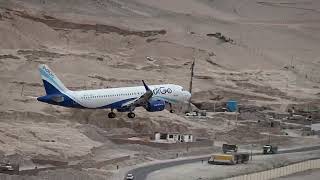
<point x="270" y="63"/>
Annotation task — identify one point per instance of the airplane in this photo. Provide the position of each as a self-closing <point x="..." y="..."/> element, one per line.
<point x="125" y="99"/>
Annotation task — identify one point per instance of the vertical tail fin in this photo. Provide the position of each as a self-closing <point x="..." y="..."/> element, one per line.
<point x="51" y="82"/>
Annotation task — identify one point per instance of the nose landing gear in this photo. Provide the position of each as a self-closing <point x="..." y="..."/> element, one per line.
<point x="171" y="110"/>
<point x="131" y="115"/>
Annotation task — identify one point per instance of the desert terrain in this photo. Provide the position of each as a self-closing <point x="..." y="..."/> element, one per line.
<point x="271" y="63"/>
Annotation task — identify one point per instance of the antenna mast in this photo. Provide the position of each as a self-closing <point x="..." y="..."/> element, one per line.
<point x="190" y="87"/>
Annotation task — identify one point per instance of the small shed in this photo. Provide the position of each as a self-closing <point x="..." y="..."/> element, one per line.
<point x="173" y="137"/>
<point x="316" y="129"/>
<point x="232" y="106"/>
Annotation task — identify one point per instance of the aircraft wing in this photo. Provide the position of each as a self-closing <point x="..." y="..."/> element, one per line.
<point x="141" y="101"/>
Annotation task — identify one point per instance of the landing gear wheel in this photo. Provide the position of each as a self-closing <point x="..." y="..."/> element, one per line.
<point x="171" y="110"/>
<point x="131" y="115"/>
<point x="111" y="115"/>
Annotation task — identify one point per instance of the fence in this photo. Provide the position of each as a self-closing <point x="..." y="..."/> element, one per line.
<point x="279" y="172"/>
<point x="167" y="146"/>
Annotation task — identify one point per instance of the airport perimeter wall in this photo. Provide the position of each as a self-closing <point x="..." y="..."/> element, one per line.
<point x="280" y="172"/>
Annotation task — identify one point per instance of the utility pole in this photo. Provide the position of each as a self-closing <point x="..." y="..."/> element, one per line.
<point x="236" y="119"/>
<point x="251" y="152"/>
<point x="190" y="87"/>
<point x="269" y="134"/>
<point x="22" y="88"/>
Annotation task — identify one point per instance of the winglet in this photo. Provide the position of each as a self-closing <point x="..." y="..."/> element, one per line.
<point x="145" y="86"/>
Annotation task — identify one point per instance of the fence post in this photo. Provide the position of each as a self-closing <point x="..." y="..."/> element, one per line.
<point x="291" y="169"/>
<point x="310" y="167"/>
<point x="282" y="171"/>
<point x="255" y="176"/>
<point x="249" y="176"/>
<point x="265" y="175"/>
<point x="271" y="173"/>
<point x="276" y="172"/>
<point x="297" y="168"/>
<point x="304" y="166"/>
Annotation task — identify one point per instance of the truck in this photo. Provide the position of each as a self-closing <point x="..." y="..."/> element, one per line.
<point x="232" y="159"/>
<point x="229" y="148"/>
<point x="9" y="168"/>
<point x="269" y="149"/>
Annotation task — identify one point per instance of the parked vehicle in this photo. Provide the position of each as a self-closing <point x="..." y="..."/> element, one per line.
<point x="130" y="177"/>
<point x="9" y="168"/>
<point x="6" y="167"/>
<point x="229" y="148"/>
<point x="229" y="158"/>
<point x="269" y="149"/>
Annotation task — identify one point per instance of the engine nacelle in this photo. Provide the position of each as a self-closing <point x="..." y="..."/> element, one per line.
<point x="155" y="105"/>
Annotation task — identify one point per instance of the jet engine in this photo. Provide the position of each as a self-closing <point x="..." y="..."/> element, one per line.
<point x="154" y="105"/>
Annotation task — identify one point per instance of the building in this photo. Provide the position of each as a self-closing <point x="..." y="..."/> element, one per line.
<point x="315" y="129"/>
<point x="173" y="137"/>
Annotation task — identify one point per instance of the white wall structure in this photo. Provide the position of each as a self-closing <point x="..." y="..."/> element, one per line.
<point x="173" y="137"/>
<point x="188" y="138"/>
<point x="157" y="136"/>
<point x="279" y="172"/>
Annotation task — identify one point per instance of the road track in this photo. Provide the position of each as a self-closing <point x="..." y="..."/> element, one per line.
<point x="141" y="173"/>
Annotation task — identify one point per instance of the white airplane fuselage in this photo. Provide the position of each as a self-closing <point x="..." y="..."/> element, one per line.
<point x="115" y="97"/>
<point x="125" y="99"/>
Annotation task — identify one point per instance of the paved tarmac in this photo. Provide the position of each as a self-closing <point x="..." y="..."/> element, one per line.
<point x="141" y="173"/>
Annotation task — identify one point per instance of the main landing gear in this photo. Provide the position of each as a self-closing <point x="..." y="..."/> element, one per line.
<point x="131" y="115"/>
<point x="111" y="114"/>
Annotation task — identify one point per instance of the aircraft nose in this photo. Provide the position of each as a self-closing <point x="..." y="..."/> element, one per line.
<point x="187" y="95"/>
